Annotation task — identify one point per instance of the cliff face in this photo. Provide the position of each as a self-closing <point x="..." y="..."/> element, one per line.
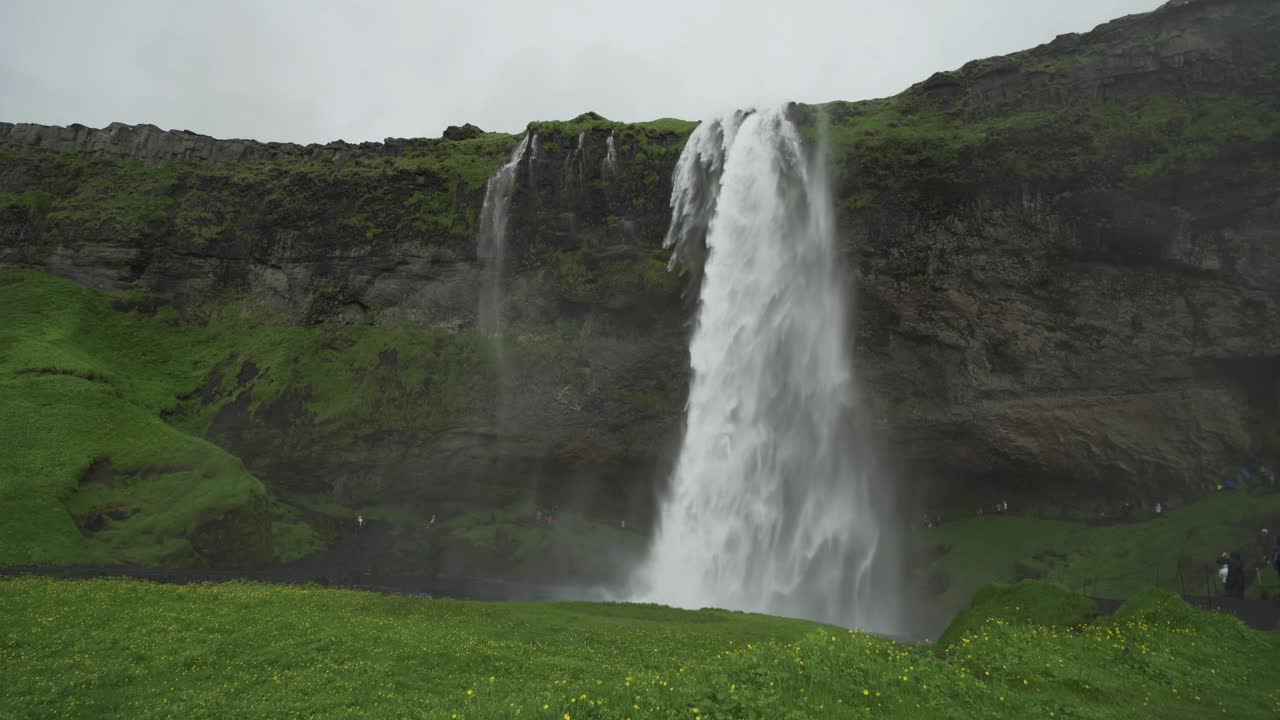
<point x="1067" y="265"/>
<point x="383" y="237"/>
<point x="1080" y="290"/>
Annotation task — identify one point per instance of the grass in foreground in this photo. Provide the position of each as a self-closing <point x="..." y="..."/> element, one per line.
<point x="121" y="648"/>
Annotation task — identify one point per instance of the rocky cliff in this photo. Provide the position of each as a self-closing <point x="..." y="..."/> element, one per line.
<point x="1067" y="264"/>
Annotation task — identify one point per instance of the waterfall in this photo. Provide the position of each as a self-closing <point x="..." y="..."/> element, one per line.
<point x="574" y="162"/>
<point x="609" y="166"/>
<point x="775" y="504"/>
<point x="491" y="248"/>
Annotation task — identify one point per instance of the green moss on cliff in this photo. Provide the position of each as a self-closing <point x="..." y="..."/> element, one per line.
<point x="291" y="536"/>
<point x="907" y="152"/>
<point x="94" y="382"/>
<point x="203" y="217"/>
<point x="430" y="189"/>
<point x="120" y="200"/>
<point x="1182" y="135"/>
<point x="622" y="277"/>
<point x="583" y="123"/>
<point x="318" y="384"/>
<point x="673" y="126"/>
<point x="35" y="200"/>
<point x="81" y="387"/>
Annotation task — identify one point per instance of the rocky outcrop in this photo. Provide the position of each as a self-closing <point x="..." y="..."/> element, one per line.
<point x="150" y="144"/>
<point x="1088" y="309"/>
<point x="1067" y="264"/>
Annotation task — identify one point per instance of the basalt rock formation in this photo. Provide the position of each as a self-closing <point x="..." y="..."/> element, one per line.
<point x="1067" y="267"/>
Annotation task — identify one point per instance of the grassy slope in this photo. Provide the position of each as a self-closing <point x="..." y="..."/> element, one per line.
<point x="436" y="380"/>
<point x="78" y="383"/>
<point x="109" y="647"/>
<point x="1110" y="561"/>
<point x="1026" y="603"/>
<point x="83" y="381"/>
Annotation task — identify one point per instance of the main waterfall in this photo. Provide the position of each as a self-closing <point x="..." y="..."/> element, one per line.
<point x="773" y="506"/>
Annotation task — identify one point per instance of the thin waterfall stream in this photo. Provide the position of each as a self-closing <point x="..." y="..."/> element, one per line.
<point x="491" y="249"/>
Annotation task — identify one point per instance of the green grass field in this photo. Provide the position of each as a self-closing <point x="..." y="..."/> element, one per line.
<point x="1113" y="561"/>
<point x="115" y="648"/>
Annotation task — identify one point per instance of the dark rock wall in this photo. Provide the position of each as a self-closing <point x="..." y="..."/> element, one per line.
<point x="1079" y="323"/>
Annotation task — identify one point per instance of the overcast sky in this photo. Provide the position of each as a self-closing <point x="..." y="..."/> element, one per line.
<point x="315" y="70"/>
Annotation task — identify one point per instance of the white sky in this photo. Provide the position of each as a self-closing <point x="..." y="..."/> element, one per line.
<point x="320" y="70"/>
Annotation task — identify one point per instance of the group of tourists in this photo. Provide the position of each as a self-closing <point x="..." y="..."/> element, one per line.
<point x="545" y="518"/>
<point x="1231" y="567"/>
<point x="1260" y="476"/>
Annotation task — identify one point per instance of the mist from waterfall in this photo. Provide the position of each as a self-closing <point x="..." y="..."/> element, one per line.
<point x="776" y="504"/>
<point x="491" y="249"/>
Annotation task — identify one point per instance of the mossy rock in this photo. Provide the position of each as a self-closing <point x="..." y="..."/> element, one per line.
<point x="1024" y="603"/>
<point x="1154" y="605"/>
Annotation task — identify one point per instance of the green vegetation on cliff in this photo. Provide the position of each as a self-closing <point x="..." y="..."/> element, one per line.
<point x="81" y="388"/>
<point x="588" y="278"/>
<point x="589" y="122"/>
<point x="335" y="383"/>
<point x="909" y="152"/>
<point x="91" y="473"/>
<point x="112" y="647"/>
<point x="431" y="189"/>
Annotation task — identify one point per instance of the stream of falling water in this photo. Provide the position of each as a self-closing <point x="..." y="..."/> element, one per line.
<point x="775" y="505"/>
<point x="491" y="248"/>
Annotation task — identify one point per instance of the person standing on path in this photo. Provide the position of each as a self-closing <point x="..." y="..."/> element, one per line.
<point x="1235" y="576"/>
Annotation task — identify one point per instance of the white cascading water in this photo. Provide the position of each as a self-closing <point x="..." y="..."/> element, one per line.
<point x="609" y="166"/>
<point x="491" y="248"/>
<point x="491" y="243"/>
<point x="574" y="167"/>
<point x="773" y="505"/>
